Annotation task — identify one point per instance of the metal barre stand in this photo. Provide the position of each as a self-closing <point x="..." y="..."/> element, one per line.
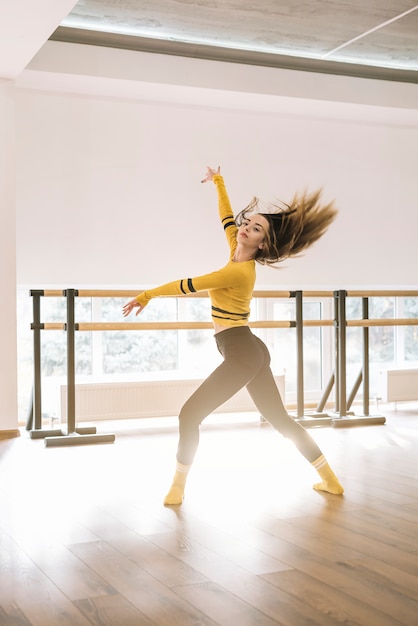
<point x="343" y="417"/>
<point x="308" y="420"/>
<point x="57" y="437"/>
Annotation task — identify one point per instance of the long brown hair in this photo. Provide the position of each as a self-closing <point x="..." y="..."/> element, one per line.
<point x="293" y="227"/>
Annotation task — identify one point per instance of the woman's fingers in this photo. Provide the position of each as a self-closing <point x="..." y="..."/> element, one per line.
<point x="210" y="173"/>
<point x="127" y="308"/>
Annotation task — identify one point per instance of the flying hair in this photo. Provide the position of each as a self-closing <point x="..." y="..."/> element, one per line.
<point x="293" y="227"/>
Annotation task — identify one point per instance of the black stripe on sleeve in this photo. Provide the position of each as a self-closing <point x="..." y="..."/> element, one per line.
<point x="190" y="285"/>
<point x="181" y="287"/>
<point x="227" y="221"/>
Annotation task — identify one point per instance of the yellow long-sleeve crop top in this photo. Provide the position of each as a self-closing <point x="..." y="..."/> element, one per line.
<point x="230" y="288"/>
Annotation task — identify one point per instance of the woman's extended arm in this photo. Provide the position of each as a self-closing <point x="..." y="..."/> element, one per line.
<point x="218" y="279"/>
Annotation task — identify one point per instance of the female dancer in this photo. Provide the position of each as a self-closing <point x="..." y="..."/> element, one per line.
<point x="253" y="236"/>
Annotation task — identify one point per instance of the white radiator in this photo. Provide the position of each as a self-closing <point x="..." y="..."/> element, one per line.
<point x="400" y="385"/>
<point x="102" y="401"/>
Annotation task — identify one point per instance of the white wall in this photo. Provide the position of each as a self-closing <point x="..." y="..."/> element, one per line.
<point x="8" y="375"/>
<point x="109" y="191"/>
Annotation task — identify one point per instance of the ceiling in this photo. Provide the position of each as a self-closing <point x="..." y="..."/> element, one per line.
<point x="370" y="38"/>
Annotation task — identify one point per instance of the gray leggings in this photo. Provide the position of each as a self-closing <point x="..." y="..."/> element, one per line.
<point x="246" y="364"/>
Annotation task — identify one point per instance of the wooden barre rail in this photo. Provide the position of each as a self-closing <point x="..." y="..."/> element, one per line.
<point x="52" y="293"/>
<point x="91" y="326"/>
<point x="173" y="325"/>
<point x="408" y="321"/>
<point x="53" y="326"/>
<point x="131" y="293"/>
<point x="382" y="293"/>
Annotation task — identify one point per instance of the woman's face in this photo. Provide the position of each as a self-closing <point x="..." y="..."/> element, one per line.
<point x="252" y="231"/>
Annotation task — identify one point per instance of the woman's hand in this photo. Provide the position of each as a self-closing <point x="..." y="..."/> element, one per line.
<point x="129" y="306"/>
<point x="210" y="174"/>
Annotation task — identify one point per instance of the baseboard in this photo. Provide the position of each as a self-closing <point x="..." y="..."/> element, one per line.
<point x="9" y="434"/>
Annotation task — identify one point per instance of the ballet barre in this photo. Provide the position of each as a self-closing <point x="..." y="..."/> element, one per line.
<point x="73" y="435"/>
<point x="341" y="416"/>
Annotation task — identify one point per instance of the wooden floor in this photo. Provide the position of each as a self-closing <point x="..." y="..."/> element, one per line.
<point x="85" y="539"/>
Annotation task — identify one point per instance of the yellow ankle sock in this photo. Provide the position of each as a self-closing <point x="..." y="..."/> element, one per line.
<point x="330" y="482"/>
<point x="176" y="491"/>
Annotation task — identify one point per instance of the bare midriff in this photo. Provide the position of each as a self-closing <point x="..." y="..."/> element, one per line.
<point x="218" y="328"/>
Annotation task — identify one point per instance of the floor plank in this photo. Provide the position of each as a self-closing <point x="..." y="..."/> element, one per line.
<point x="11" y="615"/>
<point x="24" y="585"/>
<point x="224" y="607"/>
<point x="153" y="599"/>
<point x="111" y="611"/>
<point x="281" y="607"/>
<point x="333" y="602"/>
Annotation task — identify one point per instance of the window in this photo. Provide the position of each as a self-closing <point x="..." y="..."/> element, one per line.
<point x="389" y="346"/>
<point x="130" y="351"/>
<point x="317" y="345"/>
